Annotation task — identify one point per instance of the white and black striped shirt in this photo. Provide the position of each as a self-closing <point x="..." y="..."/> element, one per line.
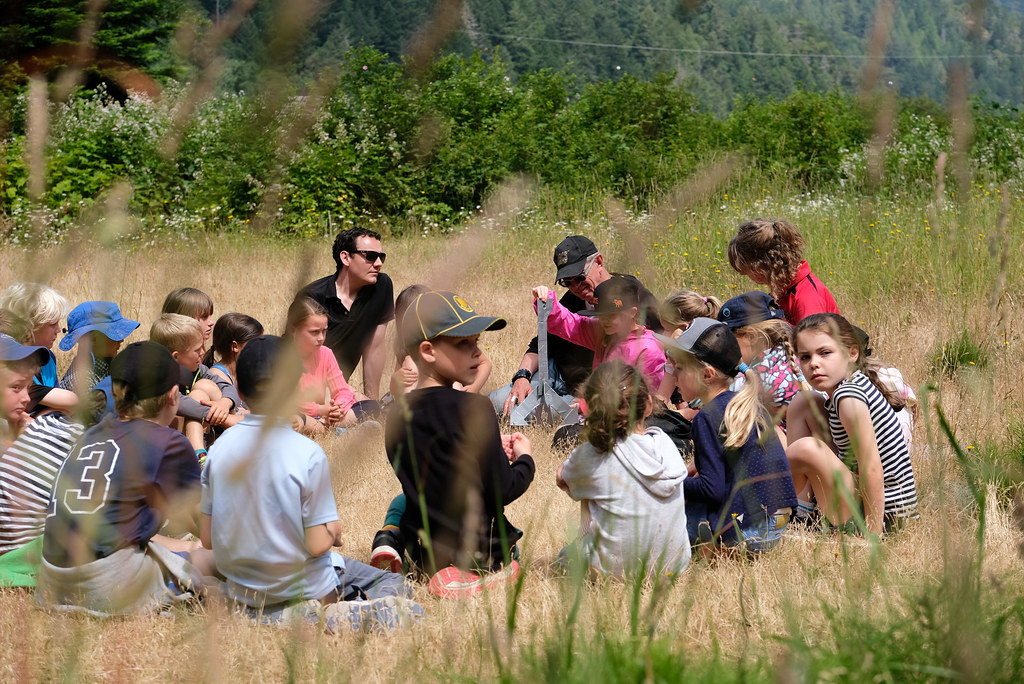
<point x="897" y="473"/>
<point x="28" y="470"/>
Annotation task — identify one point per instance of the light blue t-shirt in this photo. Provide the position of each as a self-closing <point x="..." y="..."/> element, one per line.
<point x="262" y="489"/>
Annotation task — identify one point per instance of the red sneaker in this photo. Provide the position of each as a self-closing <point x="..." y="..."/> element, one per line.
<point x="452" y="583"/>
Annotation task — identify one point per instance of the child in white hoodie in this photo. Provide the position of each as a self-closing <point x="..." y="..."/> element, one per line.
<point x="628" y="481"/>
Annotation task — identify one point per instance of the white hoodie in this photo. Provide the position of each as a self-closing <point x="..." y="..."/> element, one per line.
<point x="632" y="509"/>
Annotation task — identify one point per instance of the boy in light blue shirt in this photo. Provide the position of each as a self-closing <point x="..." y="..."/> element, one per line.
<point x="270" y="517"/>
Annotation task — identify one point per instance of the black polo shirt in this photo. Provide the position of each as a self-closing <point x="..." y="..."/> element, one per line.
<point x="349" y="331"/>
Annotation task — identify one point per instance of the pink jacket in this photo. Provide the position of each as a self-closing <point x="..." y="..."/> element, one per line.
<point x="640" y="349"/>
<point x="322" y="373"/>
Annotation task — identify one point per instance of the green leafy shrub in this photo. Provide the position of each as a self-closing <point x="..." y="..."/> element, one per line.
<point x="808" y="133"/>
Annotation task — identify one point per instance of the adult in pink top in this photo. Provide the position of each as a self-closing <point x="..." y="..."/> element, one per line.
<point x="805" y="295"/>
<point x="612" y="330"/>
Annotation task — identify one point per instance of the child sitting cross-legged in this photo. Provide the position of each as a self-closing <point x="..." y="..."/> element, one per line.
<point x="740" y="490"/>
<point x="457" y="471"/>
<point x="306" y="327"/>
<point x="29" y="466"/>
<point x="130" y="474"/>
<point x="270" y="517"/>
<point x="628" y="480"/>
<point x="873" y="463"/>
<point x="206" y="399"/>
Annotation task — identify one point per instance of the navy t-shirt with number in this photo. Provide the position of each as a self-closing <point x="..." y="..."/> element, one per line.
<point x="113" y="491"/>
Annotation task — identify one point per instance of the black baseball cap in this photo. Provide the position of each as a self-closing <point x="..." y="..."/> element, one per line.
<point x="147" y="368"/>
<point x="571" y="256"/>
<point x="439" y="313"/>
<point x="618" y="293"/>
<point x="710" y="341"/>
<point x="263" y="358"/>
<point x="749" y="308"/>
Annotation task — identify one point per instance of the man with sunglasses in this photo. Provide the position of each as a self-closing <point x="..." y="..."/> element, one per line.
<point x="580" y="270"/>
<point x="360" y="301"/>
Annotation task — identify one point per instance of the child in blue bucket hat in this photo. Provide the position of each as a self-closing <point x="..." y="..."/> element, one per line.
<point x="104" y="328"/>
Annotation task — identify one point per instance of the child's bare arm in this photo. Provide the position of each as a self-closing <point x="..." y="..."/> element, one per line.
<point x="206" y="531"/>
<point x="856" y="419"/>
<point x="320" y="538"/>
<point x="60" y="399"/>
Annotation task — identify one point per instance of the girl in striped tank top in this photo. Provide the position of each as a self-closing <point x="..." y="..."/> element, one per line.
<point x="873" y="461"/>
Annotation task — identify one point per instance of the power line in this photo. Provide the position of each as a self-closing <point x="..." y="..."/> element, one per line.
<point x="699" y="51"/>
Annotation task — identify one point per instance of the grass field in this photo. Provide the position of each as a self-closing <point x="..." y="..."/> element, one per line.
<point x="935" y="601"/>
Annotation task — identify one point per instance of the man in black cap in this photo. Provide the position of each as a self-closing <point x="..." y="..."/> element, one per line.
<point x="580" y="270"/>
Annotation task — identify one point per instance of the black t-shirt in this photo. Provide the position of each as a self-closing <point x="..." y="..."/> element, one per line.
<point x="575" y="362"/>
<point x="109" y="492"/>
<point x="349" y="331"/>
<point x="448" y="451"/>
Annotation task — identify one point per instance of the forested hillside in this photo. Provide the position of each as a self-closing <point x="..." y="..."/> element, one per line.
<point x="722" y="49"/>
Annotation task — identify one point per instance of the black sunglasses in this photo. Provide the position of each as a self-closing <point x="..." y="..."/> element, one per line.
<point x="370" y="255"/>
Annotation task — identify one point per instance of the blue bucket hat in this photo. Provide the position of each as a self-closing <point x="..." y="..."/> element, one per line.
<point x="749" y="308"/>
<point x="104" y="317"/>
<point x="12" y="350"/>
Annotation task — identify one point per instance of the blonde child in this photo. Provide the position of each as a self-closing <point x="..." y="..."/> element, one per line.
<point x="675" y="314"/>
<point x="206" y="399"/>
<point x="616" y="334"/>
<point x="406" y="374"/>
<point x="770" y="252"/>
<point x="765" y="337"/>
<point x="874" y="462"/>
<point x="307" y="328"/>
<point x="26" y="305"/>
<point x="188" y="301"/>
<point x="628" y="480"/>
<point x="41" y="308"/>
<point x="740" y="490"/>
<point x="230" y="335"/>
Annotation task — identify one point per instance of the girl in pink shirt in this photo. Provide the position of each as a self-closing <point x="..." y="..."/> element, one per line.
<point x="612" y="329"/>
<point x="307" y="328"/>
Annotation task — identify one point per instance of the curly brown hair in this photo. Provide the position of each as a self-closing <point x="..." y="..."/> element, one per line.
<point x="771" y="248"/>
<point x="617" y="400"/>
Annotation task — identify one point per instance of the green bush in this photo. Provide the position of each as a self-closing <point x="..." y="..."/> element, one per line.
<point x="424" y="148"/>
<point x="957" y="354"/>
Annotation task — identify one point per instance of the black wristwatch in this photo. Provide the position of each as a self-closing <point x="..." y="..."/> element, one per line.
<point x="522" y="373"/>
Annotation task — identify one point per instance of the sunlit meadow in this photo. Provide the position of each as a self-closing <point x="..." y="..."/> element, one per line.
<point x="935" y="601"/>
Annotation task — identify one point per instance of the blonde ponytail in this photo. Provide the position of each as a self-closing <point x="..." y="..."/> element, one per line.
<point x="744" y="412"/>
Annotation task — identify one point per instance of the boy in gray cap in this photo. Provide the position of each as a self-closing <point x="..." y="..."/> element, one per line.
<point x="457" y="471"/>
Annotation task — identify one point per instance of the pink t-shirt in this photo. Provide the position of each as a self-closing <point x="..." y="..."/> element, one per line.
<point x="639" y="349"/>
<point x="806" y="295"/>
<point x="322" y="373"/>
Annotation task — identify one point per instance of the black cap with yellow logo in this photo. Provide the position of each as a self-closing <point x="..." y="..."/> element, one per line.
<point x="439" y="313"/>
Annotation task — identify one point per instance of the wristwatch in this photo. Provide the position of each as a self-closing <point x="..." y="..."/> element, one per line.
<point x="522" y="373"/>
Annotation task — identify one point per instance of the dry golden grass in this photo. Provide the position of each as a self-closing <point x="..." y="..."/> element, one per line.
<point x="742" y="606"/>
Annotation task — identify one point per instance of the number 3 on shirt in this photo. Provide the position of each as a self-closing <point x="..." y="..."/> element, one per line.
<point x="100" y="457"/>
